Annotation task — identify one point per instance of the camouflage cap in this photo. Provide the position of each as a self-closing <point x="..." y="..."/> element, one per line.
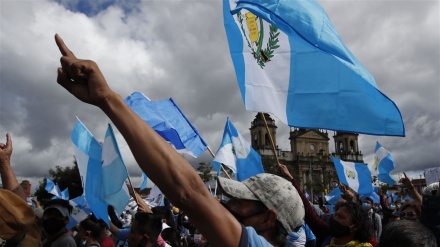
<point x="274" y="192"/>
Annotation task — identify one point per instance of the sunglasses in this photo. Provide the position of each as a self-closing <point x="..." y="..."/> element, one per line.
<point x="407" y="214"/>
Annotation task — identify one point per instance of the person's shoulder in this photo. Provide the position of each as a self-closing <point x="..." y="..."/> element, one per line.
<point x="65" y="240"/>
<point x="255" y="240"/>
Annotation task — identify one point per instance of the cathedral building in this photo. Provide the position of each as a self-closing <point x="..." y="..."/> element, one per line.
<point x="309" y="160"/>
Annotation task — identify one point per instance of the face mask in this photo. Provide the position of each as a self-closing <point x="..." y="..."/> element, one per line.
<point x="366" y="205"/>
<point x="337" y="230"/>
<point x="52" y="225"/>
<point x="392" y="206"/>
<point x="197" y="238"/>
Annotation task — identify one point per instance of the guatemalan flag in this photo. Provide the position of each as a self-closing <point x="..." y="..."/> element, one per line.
<point x="237" y="154"/>
<point x="168" y="121"/>
<point x="114" y="173"/>
<point x="80" y="211"/>
<point x="355" y="175"/>
<point x="88" y="154"/>
<point x="290" y="61"/>
<point x="383" y="165"/>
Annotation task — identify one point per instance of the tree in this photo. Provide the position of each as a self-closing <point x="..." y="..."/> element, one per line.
<point x="204" y="171"/>
<point x="65" y="177"/>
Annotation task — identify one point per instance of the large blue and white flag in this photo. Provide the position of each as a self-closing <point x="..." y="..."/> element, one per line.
<point x="355" y="175"/>
<point x="168" y="121"/>
<point x="144" y="182"/>
<point x="114" y="173"/>
<point x="290" y="61"/>
<point x="88" y="154"/>
<point x="52" y="188"/>
<point x="383" y="165"/>
<point x="333" y="196"/>
<point x="79" y="212"/>
<point x="237" y="154"/>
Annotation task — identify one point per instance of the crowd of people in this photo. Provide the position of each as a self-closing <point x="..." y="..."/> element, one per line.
<point x="263" y="210"/>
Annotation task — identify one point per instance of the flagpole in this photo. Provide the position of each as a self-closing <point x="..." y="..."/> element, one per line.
<point x="132" y="190"/>
<point x="221" y="165"/>
<point x="271" y="140"/>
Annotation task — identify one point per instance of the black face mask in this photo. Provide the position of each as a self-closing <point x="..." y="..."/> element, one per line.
<point x="337" y="230"/>
<point x="53" y="225"/>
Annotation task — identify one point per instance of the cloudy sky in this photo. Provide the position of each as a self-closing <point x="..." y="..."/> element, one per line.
<point x="178" y="49"/>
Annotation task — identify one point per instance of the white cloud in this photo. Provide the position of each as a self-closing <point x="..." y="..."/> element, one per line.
<point x="178" y="49"/>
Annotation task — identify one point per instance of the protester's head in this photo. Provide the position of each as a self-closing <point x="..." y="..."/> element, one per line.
<point x="89" y="229"/>
<point x="165" y="214"/>
<point x="16" y="216"/>
<point x="171" y="237"/>
<point x="407" y="233"/>
<point x="367" y="204"/>
<point x="265" y="198"/>
<point x="56" y="216"/>
<point x="410" y="211"/>
<point x="145" y="230"/>
<point x="351" y="220"/>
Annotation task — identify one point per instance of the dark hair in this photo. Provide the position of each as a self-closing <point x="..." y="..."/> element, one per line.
<point x="172" y="236"/>
<point x="407" y="233"/>
<point x="149" y="224"/>
<point x="92" y="226"/>
<point x="61" y="202"/>
<point x="165" y="213"/>
<point x="361" y="220"/>
<point x="416" y="206"/>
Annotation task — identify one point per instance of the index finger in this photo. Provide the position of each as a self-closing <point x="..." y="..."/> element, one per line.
<point x="404" y="174"/>
<point x="63" y="48"/>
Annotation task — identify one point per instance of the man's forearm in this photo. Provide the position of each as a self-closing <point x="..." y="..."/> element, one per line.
<point x="164" y="166"/>
<point x="9" y="180"/>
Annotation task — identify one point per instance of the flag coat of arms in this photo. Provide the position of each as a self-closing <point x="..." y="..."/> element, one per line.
<point x="383" y="165"/>
<point x="290" y="61"/>
<point x="355" y="175"/>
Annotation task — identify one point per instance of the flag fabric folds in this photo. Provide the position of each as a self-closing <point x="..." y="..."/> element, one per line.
<point x="333" y="196"/>
<point x="168" y="121"/>
<point x="383" y="165"/>
<point x="290" y="61"/>
<point x="114" y="173"/>
<point x="237" y="154"/>
<point x="155" y="198"/>
<point x="88" y="153"/>
<point x="79" y="212"/>
<point x="144" y="182"/>
<point x="52" y="188"/>
<point x="355" y="175"/>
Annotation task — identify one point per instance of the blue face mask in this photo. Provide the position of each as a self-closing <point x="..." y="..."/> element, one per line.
<point x="392" y="206"/>
<point x="366" y="205"/>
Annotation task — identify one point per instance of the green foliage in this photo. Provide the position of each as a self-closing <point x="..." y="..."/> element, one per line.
<point x="65" y="177"/>
<point x="204" y="171"/>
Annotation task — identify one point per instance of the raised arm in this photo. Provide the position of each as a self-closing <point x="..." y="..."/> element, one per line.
<point x="9" y="180"/>
<point x="170" y="171"/>
<point x="412" y="190"/>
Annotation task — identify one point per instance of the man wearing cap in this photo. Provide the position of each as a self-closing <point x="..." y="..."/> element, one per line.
<point x="267" y="203"/>
<point x="55" y="218"/>
<point x="17" y="219"/>
<point x="258" y="202"/>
